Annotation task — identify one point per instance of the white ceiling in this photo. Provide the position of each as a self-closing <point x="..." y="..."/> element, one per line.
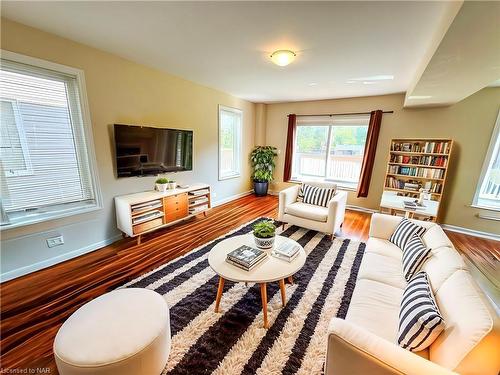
<point x="465" y="61"/>
<point x="225" y="45"/>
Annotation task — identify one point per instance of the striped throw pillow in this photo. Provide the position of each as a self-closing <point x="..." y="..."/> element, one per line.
<point x="415" y="253"/>
<point x="420" y="322"/>
<point x="317" y="195"/>
<point x="404" y="231"/>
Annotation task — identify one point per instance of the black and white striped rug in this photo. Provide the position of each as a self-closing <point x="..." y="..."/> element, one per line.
<point x="234" y="341"/>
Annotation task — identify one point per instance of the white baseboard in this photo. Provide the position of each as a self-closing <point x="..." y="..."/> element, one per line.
<point x="9" y="275"/>
<point x="361" y="209"/>
<point x="231" y="198"/>
<point x="471" y="232"/>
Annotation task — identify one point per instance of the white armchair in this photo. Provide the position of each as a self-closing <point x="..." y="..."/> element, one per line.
<point x="323" y="219"/>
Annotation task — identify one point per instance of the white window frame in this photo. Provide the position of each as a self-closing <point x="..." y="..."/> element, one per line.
<point x="71" y="209"/>
<point x="488" y="160"/>
<point x="334" y="121"/>
<point x="237" y="142"/>
<point x="28" y="171"/>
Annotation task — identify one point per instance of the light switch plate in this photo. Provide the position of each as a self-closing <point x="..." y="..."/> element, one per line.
<point x="55" y="241"/>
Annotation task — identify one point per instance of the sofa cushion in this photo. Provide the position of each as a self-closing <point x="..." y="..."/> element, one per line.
<point x="319" y="196"/>
<point x="383" y="269"/>
<point x="415" y="254"/>
<point x="420" y="322"/>
<point x="468" y="345"/>
<point x="307" y="211"/>
<point x="372" y="300"/>
<point x="441" y="264"/>
<point x="383" y="247"/>
<point x="434" y="237"/>
<point x="404" y="231"/>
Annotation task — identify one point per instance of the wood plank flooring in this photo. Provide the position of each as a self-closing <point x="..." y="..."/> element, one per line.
<point x="35" y="306"/>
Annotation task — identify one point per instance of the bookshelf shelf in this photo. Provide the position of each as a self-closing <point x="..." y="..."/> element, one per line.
<point x="414" y="164"/>
<point x="418" y="165"/>
<point x="414" y="177"/>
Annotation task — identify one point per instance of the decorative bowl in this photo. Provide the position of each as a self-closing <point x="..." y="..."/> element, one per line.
<point x="264" y="243"/>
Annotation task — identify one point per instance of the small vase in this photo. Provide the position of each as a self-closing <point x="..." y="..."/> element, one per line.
<point x="264" y="243"/>
<point x="172" y="185"/>
<point x="162" y="188"/>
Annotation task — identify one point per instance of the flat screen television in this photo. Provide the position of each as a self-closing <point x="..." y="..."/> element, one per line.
<point x="145" y="151"/>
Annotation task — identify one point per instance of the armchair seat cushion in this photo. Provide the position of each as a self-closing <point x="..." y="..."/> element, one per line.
<point x="307" y="211"/>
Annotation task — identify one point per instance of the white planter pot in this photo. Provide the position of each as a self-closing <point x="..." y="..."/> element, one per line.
<point x="162" y="187"/>
<point x="172" y="185"/>
<point x="264" y="243"/>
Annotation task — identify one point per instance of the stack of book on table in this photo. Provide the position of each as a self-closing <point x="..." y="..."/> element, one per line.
<point x="246" y="257"/>
<point x="410" y="205"/>
<point x="286" y="251"/>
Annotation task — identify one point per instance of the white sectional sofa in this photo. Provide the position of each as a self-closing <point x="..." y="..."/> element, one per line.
<point x="366" y="341"/>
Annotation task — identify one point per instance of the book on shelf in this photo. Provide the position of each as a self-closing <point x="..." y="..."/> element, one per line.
<point x="412" y="185"/>
<point x="199" y="192"/>
<point x="431" y="161"/>
<point x="194" y="210"/>
<point x="416" y="171"/>
<point x="147" y="216"/>
<point x="425" y="147"/>
<point x="246" y="257"/>
<point x="286" y="251"/>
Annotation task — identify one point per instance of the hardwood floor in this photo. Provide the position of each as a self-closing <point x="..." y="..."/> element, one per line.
<point x="35" y="306"/>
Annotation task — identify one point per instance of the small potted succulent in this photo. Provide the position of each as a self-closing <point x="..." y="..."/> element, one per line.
<point x="162" y="184"/>
<point x="264" y="233"/>
<point x="172" y="184"/>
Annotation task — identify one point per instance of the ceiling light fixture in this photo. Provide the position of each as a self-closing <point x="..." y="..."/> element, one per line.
<point x="283" y="57"/>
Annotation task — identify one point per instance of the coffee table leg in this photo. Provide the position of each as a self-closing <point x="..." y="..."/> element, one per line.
<point x="263" y="296"/>
<point x="219" y="294"/>
<point x="283" y="293"/>
<point x="290" y="279"/>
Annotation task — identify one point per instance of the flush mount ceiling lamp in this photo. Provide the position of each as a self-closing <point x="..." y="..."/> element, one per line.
<point x="282" y="57"/>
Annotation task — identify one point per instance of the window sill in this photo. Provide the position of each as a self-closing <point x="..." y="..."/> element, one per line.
<point x="229" y="177"/>
<point x="487" y="208"/>
<point x="340" y="186"/>
<point x="39" y="217"/>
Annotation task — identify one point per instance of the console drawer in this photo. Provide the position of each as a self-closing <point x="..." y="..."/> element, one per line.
<point x="143" y="227"/>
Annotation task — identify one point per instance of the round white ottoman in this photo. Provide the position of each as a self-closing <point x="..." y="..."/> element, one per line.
<point x="124" y="332"/>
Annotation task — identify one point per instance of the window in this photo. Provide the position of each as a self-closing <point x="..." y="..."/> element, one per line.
<point x="46" y="153"/>
<point x="230" y="120"/>
<point x="14" y="154"/>
<point x="488" y="189"/>
<point x="330" y="148"/>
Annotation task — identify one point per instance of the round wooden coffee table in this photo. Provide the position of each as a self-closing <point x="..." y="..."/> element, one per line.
<point x="270" y="270"/>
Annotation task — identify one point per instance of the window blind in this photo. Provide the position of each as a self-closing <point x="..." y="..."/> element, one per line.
<point x="44" y="161"/>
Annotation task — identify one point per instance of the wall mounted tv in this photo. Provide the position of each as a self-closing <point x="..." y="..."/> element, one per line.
<point x="144" y="151"/>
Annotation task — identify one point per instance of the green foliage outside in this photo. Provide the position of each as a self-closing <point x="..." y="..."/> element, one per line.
<point x="264" y="229"/>
<point x="262" y="158"/>
<point x="315" y="138"/>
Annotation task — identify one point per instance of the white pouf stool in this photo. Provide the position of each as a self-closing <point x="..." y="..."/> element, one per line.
<point x="124" y="332"/>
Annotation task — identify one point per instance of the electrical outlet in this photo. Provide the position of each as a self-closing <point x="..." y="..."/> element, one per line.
<point x="55" y="241"/>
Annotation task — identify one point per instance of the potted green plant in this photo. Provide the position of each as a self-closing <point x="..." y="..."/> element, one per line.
<point x="262" y="158"/>
<point x="162" y="184"/>
<point x="264" y="233"/>
<point x="172" y="184"/>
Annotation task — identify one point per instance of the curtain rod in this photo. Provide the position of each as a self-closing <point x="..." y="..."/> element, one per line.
<point x="341" y="114"/>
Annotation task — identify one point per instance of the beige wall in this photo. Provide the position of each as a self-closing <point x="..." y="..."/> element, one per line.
<point x="469" y="123"/>
<point x="120" y="91"/>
